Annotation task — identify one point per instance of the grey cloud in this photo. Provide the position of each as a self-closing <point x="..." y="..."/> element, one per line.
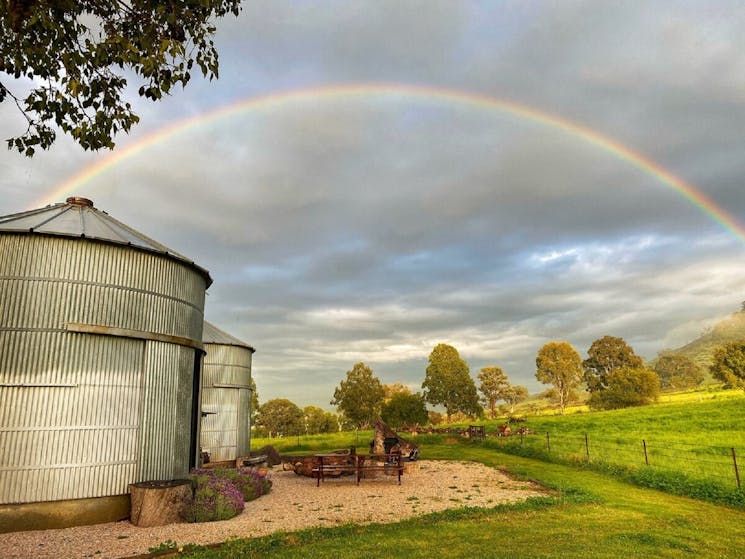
<point x="372" y="228"/>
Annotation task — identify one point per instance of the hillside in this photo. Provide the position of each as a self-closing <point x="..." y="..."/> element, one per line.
<point x="730" y="329"/>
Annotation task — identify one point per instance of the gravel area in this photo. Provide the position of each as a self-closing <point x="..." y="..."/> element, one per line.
<point x="293" y="503"/>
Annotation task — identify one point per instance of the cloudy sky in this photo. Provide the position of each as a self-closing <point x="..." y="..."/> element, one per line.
<point x="384" y="194"/>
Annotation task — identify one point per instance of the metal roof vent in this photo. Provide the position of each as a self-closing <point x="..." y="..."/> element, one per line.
<point x="79" y="201"/>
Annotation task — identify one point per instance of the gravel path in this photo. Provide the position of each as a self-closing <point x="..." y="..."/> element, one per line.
<point x="293" y="503"/>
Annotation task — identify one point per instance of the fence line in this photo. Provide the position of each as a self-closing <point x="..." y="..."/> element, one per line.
<point x="717" y="462"/>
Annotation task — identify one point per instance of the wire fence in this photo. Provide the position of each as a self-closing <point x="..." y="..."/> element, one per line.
<point x="715" y="463"/>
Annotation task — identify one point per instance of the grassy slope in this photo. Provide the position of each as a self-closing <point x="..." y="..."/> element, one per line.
<point x="718" y="421"/>
<point x="617" y="520"/>
<point x="729" y="329"/>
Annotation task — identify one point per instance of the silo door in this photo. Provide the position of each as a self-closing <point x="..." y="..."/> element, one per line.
<point x="220" y="405"/>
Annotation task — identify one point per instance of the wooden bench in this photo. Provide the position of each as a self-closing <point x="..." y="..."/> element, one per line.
<point x="333" y="465"/>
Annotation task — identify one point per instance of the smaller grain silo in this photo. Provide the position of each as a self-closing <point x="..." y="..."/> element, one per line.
<point x="226" y="395"/>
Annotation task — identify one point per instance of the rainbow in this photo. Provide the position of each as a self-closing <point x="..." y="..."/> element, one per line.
<point x="476" y="100"/>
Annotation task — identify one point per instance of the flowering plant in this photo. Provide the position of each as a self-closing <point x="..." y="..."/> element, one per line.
<point x="220" y="493"/>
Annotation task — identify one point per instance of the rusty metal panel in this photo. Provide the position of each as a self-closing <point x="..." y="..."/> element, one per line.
<point x="226" y="378"/>
<point x="68" y="423"/>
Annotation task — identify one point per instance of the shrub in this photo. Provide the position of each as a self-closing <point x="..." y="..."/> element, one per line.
<point x="249" y="482"/>
<point x="220" y="493"/>
<point x="215" y="498"/>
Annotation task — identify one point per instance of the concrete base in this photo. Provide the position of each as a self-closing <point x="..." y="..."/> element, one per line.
<point x="63" y="514"/>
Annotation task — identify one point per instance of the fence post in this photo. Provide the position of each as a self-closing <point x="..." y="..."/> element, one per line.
<point x="646" y="456"/>
<point x="522" y="435"/>
<point x="737" y="472"/>
<point x="587" y="447"/>
<point x="548" y="443"/>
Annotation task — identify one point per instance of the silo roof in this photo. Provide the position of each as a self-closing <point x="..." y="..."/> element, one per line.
<point x="76" y="217"/>
<point x="213" y="335"/>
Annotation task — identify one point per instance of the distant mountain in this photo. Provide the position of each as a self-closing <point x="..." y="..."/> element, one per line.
<point x="701" y="350"/>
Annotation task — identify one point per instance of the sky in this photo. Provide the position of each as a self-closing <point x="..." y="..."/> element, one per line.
<point x="368" y="179"/>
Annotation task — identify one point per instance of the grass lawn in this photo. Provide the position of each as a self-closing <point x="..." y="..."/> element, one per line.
<point x="695" y="438"/>
<point x="595" y="516"/>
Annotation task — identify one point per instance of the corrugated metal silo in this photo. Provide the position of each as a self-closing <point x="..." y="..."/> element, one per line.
<point x="100" y="353"/>
<point x="226" y="395"/>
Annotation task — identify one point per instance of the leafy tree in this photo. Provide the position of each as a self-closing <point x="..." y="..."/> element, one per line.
<point x="67" y="60"/>
<point x="729" y="365"/>
<point x="405" y="408"/>
<point x="558" y="363"/>
<point x="390" y="390"/>
<point x="318" y="420"/>
<point x="515" y="395"/>
<point x="627" y="387"/>
<point x="281" y="417"/>
<point x="435" y="417"/>
<point x="448" y="382"/>
<point x="254" y="401"/>
<point x="605" y="355"/>
<point x="494" y="385"/>
<point x="677" y="371"/>
<point x="360" y="397"/>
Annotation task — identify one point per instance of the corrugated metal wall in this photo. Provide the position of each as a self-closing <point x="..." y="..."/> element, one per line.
<point x="226" y="398"/>
<point x="84" y="415"/>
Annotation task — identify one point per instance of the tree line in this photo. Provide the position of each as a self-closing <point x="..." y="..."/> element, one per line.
<point x="613" y="376"/>
<point x="361" y="398"/>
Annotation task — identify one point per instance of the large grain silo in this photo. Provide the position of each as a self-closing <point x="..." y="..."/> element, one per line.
<point x="100" y="355"/>
<point x="226" y="395"/>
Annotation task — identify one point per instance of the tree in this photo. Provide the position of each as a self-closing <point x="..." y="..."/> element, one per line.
<point x="67" y="60"/>
<point x="677" y="372"/>
<point x="435" y="417"/>
<point x="405" y="408"/>
<point x="605" y="355"/>
<point x="360" y="397"/>
<point x="318" y="420"/>
<point x="558" y="363"/>
<point x="729" y="365"/>
<point x="390" y="390"/>
<point x="254" y="401"/>
<point x="494" y="385"/>
<point x="281" y="417"/>
<point x="515" y="395"/>
<point x="627" y="387"/>
<point x="448" y="382"/>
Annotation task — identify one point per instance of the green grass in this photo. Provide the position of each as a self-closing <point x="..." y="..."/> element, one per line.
<point x="689" y="442"/>
<point x="594" y="516"/>
<point x="308" y="444"/>
<point x="712" y="391"/>
<point x="694" y="440"/>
